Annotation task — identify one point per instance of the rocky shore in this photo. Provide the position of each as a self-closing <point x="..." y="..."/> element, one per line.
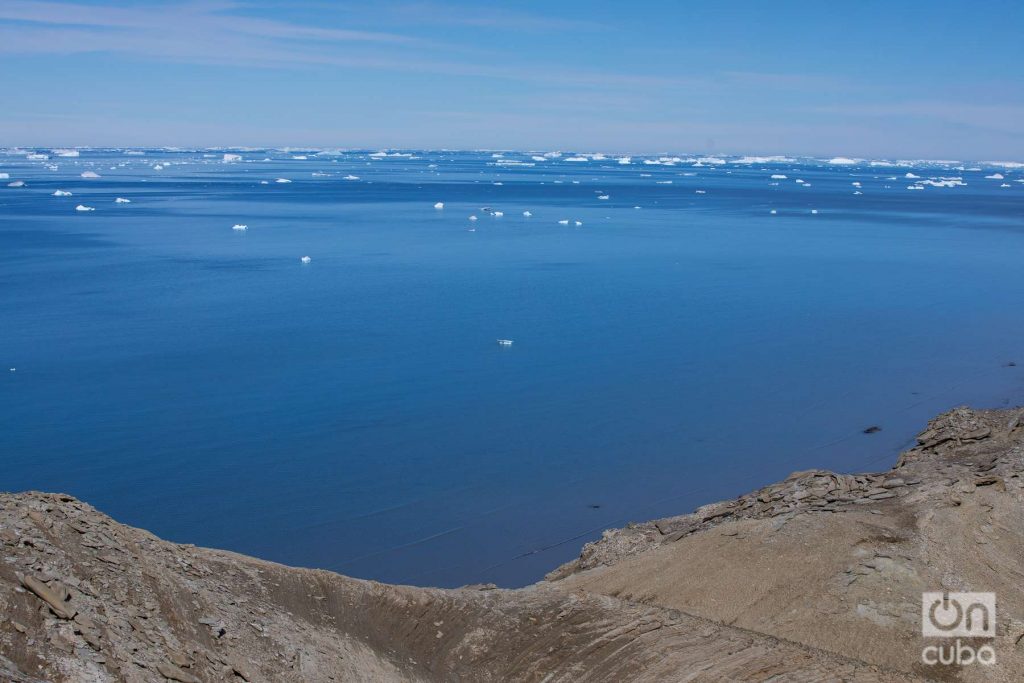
<point x="818" y="577"/>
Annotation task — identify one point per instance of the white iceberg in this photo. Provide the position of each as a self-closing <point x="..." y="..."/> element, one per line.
<point x="472" y="218"/>
<point x="122" y="200"/>
<point x="439" y="205"/>
<point x="70" y="153"/>
<point x="578" y="223"/>
<point x="351" y="177"/>
<point x="282" y="180"/>
<point x="305" y="259"/>
<point x="911" y="175"/>
<point x="625" y="161"/>
<point x="505" y="342"/>
<point x="778" y="176"/>
<point x="90" y="174"/>
<point x="4" y="176"/>
<point x="527" y="214"/>
<point x="16" y="183"/>
<point x="773" y="212"/>
<point x="232" y="157"/>
<point x="61" y="193"/>
<point x="842" y="161"/>
<point x="300" y="157"/>
<point x="83" y="207"/>
<point x="603" y="196"/>
<point x="498" y="214"/>
<point x="576" y="159"/>
<point x="994" y="176"/>
<point x="564" y="222"/>
<point x="240" y="227"/>
<point x="700" y="191"/>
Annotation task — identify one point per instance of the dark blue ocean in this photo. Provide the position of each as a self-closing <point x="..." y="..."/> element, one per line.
<point x="356" y="413"/>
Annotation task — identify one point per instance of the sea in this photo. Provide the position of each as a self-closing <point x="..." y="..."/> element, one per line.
<point x="684" y="328"/>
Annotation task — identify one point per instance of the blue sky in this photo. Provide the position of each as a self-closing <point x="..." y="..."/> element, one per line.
<point x="941" y="80"/>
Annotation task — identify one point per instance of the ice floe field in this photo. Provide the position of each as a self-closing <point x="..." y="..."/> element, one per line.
<point x="457" y="367"/>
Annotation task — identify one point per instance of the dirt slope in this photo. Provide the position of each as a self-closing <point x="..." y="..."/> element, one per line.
<point x="816" y="578"/>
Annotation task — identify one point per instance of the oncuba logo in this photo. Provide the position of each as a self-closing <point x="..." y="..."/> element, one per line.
<point x="958" y="615"/>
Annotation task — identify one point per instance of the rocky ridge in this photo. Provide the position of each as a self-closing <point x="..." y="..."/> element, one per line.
<point x="813" y="578"/>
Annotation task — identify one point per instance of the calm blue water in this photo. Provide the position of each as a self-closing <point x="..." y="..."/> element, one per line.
<point x="357" y="414"/>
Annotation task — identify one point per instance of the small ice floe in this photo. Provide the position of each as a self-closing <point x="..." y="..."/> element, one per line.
<point x="578" y="223"/>
<point x="994" y="176"/>
<point x="858" y="192"/>
<point x="83" y="207"/>
<point x="1006" y="185"/>
<point x="37" y="157"/>
<point x="232" y="157"/>
<point x="576" y="159"/>
<point x="814" y="211"/>
<point x="282" y="180"/>
<point x="842" y="161"/>
<point x="625" y="161"/>
<point x="14" y="369"/>
<point x="16" y="183"/>
<point x="700" y="192"/>
<point x="778" y="176"/>
<point x="5" y="176"/>
<point x="90" y="174"/>
<point x="603" y="196"/>
<point x="663" y="182"/>
<point x="564" y="222"/>
<point x="911" y="175"/>
<point x="527" y="214"/>
<point x="300" y="157"/>
<point x="498" y="184"/>
<point x="773" y="212"/>
<point x="122" y="200"/>
<point x="264" y="182"/>
<point x="915" y="187"/>
<point x="351" y="177"/>
<point x="241" y="227"/>
<point x="439" y="205"/>
<point x="855" y="183"/>
<point x="636" y="207"/>
<point x="305" y="259"/>
<point x="61" y="193"/>
<point x="498" y="214"/>
<point x="505" y="342"/>
<point x="799" y="181"/>
<point x="472" y="218"/>
<point x="158" y="167"/>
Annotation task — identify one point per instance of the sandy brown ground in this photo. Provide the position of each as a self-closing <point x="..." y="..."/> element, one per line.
<point x="816" y="578"/>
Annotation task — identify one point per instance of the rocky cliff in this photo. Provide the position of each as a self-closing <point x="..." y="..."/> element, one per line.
<point x="815" y="578"/>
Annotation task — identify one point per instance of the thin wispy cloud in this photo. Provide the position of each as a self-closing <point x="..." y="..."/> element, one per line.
<point x="218" y="33"/>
